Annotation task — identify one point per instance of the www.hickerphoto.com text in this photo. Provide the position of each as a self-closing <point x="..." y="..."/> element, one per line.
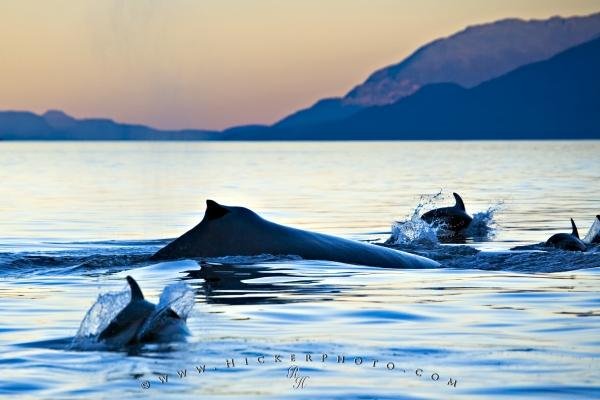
<point x="292" y="360"/>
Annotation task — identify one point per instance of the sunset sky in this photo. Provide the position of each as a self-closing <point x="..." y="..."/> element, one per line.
<point x="218" y="63"/>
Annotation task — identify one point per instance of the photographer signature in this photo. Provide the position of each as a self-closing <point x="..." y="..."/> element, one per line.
<point x="299" y="381"/>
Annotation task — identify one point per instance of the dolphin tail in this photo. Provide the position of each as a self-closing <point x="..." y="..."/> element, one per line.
<point x="136" y="292"/>
<point x="575" y="232"/>
<point x="459" y="202"/>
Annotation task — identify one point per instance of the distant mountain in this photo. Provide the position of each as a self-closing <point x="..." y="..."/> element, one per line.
<point x="324" y="110"/>
<point x="23" y="125"/>
<point x="58" y="119"/>
<point x="556" y="98"/>
<point x="507" y="79"/>
<point x="467" y="58"/>
<point x="56" y="125"/>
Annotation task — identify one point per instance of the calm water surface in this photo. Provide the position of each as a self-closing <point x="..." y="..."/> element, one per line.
<point x="76" y="218"/>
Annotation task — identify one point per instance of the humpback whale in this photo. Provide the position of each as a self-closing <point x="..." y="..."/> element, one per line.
<point x="238" y="231"/>
<point x="452" y="219"/>
<point x="567" y="241"/>
<point x="143" y="322"/>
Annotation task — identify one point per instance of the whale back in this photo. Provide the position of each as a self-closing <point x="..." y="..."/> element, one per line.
<point x="224" y="230"/>
<point x="238" y="231"/>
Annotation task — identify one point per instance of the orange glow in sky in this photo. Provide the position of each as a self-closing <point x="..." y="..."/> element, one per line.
<point x="218" y="63"/>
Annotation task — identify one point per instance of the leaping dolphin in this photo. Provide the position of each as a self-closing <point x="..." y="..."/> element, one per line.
<point x="451" y="219"/>
<point x="238" y="231"/>
<point x="567" y="241"/>
<point x="142" y="322"/>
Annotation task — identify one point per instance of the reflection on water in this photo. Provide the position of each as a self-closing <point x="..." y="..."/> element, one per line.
<point x="499" y="323"/>
<point x="265" y="283"/>
<point x="494" y="332"/>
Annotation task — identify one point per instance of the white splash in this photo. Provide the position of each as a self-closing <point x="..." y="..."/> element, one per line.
<point x="106" y="307"/>
<point x="593" y="232"/>
<point x="484" y="225"/>
<point x="413" y="230"/>
<point x="179" y="297"/>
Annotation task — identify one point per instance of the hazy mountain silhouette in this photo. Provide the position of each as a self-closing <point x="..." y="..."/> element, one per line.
<point x="479" y="83"/>
<point x="56" y="125"/>
<point x="556" y="98"/>
<point x="323" y="110"/>
<point x="467" y="58"/>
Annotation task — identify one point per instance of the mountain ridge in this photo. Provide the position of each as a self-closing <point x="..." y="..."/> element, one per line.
<point x="557" y="98"/>
<point x="328" y="117"/>
<point x="57" y="125"/>
<point x="456" y="58"/>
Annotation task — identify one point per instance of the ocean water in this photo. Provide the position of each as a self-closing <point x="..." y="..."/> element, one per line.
<point x="76" y="218"/>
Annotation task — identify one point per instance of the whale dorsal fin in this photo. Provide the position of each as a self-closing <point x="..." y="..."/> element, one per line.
<point x="598" y="217"/>
<point x="214" y="210"/>
<point x="459" y="202"/>
<point x="136" y="292"/>
<point x="575" y="232"/>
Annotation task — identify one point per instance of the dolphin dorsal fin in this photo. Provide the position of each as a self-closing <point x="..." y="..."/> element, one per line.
<point x="459" y="202"/>
<point x="598" y="217"/>
<point x="575" y="232"/>
<point x="214" y="210"/>
<point x="136" y="292"/>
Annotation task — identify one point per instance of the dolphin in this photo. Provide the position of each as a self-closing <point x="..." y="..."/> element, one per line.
<point x="142" y="322"/>
<point x="452" y="219"/>
<point x="238" y="231"/>
<point x="567" y="241"/>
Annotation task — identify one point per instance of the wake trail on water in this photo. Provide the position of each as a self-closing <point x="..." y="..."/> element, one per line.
<point x="412" y="235"/>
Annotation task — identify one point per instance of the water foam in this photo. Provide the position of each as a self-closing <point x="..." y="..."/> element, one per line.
<point x="593" y="232"/>
<point x="104" y="310"/>
<point x="484" y="226"/>
<point x="415" y="231"/>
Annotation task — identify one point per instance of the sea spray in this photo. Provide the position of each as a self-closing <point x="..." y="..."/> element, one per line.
<point x="104" y="310"/>
<point x="415" y="231"/>
<point x="178" y="297"/>
<point x="593" y="233"/>
<point x="484" y="226"/>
